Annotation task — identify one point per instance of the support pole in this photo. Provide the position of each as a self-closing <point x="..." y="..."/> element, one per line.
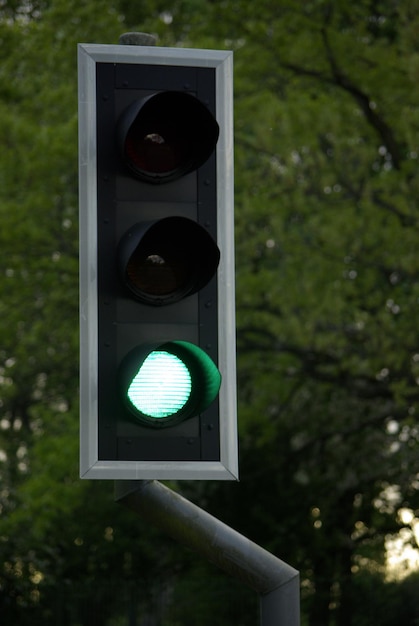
<point x="276" y="582"/>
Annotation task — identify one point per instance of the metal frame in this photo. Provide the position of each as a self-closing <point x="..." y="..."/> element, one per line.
<point x="90" y="467"/>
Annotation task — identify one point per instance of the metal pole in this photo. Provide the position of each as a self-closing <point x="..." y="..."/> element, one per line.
<point x="276" y="582"/>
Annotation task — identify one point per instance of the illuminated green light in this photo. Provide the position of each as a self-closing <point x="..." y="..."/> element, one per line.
<point x="162" y="385"/>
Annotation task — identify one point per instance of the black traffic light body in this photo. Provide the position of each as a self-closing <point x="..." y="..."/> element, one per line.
<point x="156" y="264"/>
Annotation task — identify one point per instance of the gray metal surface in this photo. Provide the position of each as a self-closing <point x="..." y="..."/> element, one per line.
<point x="276" y="582"/>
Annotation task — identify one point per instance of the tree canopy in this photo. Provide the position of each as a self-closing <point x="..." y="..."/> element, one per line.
<point x="326" y="139"/>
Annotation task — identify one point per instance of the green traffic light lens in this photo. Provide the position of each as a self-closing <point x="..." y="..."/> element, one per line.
<point x="162" y="385"/>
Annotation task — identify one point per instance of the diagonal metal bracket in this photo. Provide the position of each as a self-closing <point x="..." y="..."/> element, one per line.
<point x="276" y="582"/>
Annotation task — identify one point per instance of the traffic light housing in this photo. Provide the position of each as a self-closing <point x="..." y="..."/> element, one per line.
<point x="157" y="308"/>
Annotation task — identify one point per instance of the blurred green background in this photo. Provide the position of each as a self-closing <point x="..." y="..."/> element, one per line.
<point x="327" y="270"/>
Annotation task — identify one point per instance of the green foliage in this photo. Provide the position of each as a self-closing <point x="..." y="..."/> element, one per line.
<point x="326" y="125"/>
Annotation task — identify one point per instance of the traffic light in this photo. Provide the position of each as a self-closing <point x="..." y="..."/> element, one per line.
<point x="157" y="309"/>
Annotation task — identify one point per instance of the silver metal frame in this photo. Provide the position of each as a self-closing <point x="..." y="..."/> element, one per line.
<point x="90" y="467"/>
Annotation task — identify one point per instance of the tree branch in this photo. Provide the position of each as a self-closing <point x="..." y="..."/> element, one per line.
<point x="364" y="102"/>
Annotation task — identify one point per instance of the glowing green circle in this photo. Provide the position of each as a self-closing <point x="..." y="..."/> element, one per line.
<point x="162" y="385"/>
